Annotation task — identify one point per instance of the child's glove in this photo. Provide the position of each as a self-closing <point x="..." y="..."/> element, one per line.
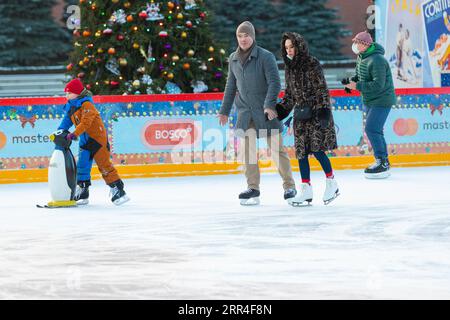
<point x="71" y="136"/>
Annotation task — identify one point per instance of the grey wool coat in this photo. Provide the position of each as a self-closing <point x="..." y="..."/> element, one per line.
<point x="306" y="85"/>
<point x="253" y="87"/>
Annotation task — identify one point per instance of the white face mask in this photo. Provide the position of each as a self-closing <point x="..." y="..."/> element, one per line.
<point x="355" y="48"/>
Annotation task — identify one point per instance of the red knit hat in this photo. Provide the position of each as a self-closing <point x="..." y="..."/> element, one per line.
<point x="364" y="38"/>
<point x="74" y="86"/>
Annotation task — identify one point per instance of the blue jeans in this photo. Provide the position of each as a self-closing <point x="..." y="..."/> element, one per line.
<point x="375" y="120"/>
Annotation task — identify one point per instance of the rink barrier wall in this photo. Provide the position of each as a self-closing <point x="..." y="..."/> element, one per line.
<point x="417" y="130"/>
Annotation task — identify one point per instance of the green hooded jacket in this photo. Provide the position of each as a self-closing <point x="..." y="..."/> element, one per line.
<point x="375" y="78"/>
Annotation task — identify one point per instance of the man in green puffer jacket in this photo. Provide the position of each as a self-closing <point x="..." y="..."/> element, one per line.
<point x="374" y="80"/>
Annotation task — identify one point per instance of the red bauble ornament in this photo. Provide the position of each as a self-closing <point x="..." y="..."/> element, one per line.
<point x="76" y="33"/>
<point x="143" y="15"/>
<point x="189" y="24"/>
<point x="120" y="37"/>
<point x="202" y="15"/>
<point x="88" y="86"/>
<point x="114" y="83"/>
<point x="81" y="75"/>
<point x="107" y="32"/>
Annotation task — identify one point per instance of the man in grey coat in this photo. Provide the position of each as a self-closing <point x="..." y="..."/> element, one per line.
<point x="253" y="84"/>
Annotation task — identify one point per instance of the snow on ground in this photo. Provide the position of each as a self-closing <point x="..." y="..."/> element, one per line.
<point x="188" y="238"/>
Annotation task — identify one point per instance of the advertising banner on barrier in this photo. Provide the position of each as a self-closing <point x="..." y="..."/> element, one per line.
<point x="166" y="134"/>
<point x="185" y="130"/>
<point x="27" y="139"/>
<point x="417" y="126"/>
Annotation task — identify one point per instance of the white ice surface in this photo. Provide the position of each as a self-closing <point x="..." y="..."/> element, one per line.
<point x="188" y="238"/>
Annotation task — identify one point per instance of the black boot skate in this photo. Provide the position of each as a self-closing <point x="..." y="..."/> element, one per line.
<point x="249" y="197"/>
<point x="118" y="195"/>
<point x="379" y="169"/>
<point x="82" y="192"/>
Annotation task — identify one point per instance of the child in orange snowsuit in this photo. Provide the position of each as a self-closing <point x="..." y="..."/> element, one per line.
<point x="91" y="132"/>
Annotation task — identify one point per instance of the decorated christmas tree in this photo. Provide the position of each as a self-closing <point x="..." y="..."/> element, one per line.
<point x="29" y="36"/>
<point x="145" y="47"/>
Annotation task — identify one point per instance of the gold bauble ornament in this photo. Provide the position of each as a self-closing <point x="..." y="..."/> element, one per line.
<point x="222" y="52"/>
<point x="81" y="63"/>
<point x="100" y="50"/>
<point x="211" y="49"/>
<point x="180" y="16"/>
<point x="123" y="62"/>
<point x="127" y="4"/>
<point x="136" y="45"/>
<point x="184" y="35"/>
<point x="175" y="58"/>
<point x="136" y="84"/>
<point x="170" y="76"/>
<point x="191" y="53"/>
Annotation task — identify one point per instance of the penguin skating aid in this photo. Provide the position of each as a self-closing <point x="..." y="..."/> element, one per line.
<point x="62" y="173"/>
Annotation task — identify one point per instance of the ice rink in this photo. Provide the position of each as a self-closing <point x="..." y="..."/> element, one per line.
<point x="188" y="238"/>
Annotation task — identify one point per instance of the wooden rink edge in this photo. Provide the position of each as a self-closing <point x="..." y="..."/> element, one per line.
<point x="202" y="169"/>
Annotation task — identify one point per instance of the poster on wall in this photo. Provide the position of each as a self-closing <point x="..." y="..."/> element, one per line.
<point x="436" y="21"/>
<point x="404" y="42"/>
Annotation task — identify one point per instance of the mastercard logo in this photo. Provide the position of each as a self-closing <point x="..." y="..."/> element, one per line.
<point x="2" y="140"/>
<point x="406" y="127"/>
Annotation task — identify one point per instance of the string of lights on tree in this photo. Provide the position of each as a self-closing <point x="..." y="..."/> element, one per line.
<point x="146" y="47"/>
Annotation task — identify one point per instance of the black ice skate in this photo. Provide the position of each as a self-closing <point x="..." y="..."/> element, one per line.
<point x="379" y="169"/>
<point x="249" y="197"/>
<point x="289" y="193"/>
<point x="118" y="195"/>
<point x="82" y="192"/>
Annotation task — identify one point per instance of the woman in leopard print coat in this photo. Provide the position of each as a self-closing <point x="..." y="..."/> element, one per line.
<point x="305" y="85"/>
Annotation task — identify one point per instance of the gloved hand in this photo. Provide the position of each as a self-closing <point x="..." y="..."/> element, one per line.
<point x="71" y="136"/>
<point x="346" y="81"/>
<point x="324" y="116"/>
<point x="324" y="124"/>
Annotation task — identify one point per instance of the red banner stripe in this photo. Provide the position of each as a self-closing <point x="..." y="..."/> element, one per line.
<point x="188" y="97"/>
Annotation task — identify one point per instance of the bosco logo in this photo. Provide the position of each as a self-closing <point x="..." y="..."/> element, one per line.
<point x="405" y="127"/>
<point x="2" y="140"/>
<point x="157" y="134"/>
